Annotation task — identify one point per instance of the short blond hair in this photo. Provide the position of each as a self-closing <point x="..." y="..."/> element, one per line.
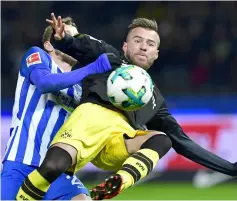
<point x="48" y="32"/>
<point x="144" y="23"/>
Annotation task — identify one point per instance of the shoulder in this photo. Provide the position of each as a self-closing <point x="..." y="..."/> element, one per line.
<point x="35" y="57"/>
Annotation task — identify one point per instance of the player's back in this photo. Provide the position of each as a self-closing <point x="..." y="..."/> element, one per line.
<point x="37" y="117"/>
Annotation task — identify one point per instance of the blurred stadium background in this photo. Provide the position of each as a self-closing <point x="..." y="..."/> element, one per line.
<point x="196" y="72"/>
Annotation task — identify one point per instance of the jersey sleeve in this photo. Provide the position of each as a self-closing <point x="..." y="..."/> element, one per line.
<point x="84" y="48"/>
<point x="182" y="144"/>
<point x="47" y="82"/>
<point x="34" y="58"/>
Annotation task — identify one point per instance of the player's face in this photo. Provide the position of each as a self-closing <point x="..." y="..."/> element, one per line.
<point x="141" y="47"/>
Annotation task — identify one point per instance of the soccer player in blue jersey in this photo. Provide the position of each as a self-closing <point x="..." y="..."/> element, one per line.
<point x="46" y="93"/>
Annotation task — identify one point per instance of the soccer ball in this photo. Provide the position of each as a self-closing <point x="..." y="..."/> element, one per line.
<point x="129" y="87"/>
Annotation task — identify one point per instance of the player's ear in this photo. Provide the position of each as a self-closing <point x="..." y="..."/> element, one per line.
<point x="48" y="46"/>
<point x="157" y="54"/>
<point x="125" y="46"/>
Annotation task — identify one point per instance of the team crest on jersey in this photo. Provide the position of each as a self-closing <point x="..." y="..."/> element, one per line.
<point x="33" y="59"/>
<point x="66" y="134"/>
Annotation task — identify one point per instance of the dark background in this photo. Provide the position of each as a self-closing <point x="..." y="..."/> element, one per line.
<point x="198" y="39"/>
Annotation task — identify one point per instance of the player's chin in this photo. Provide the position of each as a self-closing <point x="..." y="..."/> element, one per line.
<point x="145" y="66"/>
<point x="141" y="63"/>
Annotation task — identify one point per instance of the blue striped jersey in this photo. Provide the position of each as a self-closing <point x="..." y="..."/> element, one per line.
<point x="37" y="117"/>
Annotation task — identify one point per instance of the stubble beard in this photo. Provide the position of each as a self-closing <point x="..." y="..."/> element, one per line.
<point x="146" y="66"/>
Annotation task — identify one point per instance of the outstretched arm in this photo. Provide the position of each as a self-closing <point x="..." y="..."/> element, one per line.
<point x="164" y="121"/>
<point x="82" y="47"/>
<point x="46" y="82"/>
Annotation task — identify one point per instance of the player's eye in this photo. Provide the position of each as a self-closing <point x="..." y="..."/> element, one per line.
<point x="151" y="44"/>
<point x="137" y="41"/>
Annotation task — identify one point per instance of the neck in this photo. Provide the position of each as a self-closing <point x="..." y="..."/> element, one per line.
<point x="62" y="64"/>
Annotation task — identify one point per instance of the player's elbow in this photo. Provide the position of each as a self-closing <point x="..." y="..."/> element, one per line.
<point x="42" y="89"/>
<point x="43" y="86"/>
<point x="42" y="83"/>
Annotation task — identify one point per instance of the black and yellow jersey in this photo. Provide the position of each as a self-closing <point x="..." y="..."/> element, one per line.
<point x="154" y="116"/>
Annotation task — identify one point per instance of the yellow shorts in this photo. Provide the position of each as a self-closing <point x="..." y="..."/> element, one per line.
<point x="98" y="135"/>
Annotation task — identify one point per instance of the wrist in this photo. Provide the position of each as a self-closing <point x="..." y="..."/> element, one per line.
<point x="105" y="62"/>
<point x="56" y="37"/>
<point x="66" y="41"/>
<point x="101" y="65"/>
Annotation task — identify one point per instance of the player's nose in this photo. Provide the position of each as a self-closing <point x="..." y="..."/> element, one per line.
<point x="143" y="46"/>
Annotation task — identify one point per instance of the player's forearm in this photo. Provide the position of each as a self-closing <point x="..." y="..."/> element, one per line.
<point x="183" y="145"/>
<point x="189" y="149"/>
<point x="46" y="82"/>
<point x="83" y="45"/>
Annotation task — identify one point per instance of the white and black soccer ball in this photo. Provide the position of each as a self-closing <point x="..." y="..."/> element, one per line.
<point x="129" y="87"/>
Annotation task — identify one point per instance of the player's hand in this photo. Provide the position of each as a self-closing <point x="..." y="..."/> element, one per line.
<point x="58" y="26"/>
<point x="115" y="61"/>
